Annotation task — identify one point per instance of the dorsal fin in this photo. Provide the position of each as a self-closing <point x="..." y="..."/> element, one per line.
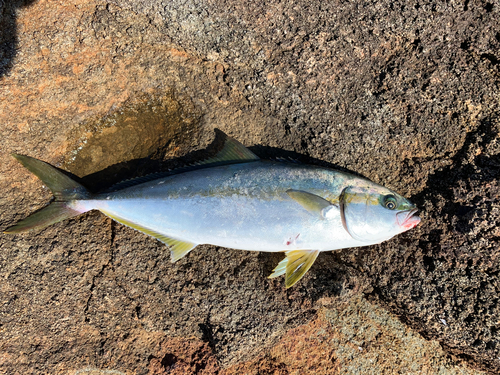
<point x="232" y="152"/>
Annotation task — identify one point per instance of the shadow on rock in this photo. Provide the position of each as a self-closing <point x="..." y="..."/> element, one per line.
<point x="465" y="167"/>
<point x="8" y="32"/>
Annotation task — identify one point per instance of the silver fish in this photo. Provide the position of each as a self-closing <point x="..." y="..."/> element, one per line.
<point x="238" y="201"/>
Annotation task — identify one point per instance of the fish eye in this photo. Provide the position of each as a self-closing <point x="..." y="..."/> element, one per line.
<point x="389" y="202"/>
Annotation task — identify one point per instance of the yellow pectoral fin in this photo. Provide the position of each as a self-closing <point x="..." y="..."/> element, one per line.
<point x="311" y="202"/>
<point x="178" y="248"/>
<point x="295" y="265"/>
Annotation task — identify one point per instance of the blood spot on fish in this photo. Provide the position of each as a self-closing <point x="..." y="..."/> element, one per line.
<point x="291" y="240"/>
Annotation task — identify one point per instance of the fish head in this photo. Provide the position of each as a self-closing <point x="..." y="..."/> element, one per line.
<point x="372" y="213"/>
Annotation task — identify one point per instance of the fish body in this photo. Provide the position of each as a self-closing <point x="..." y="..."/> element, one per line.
<point x="238" y="201"/>
<point x="241" y="206"/>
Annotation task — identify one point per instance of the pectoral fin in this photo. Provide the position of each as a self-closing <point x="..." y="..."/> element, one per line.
<point x="295" y="265"/>
<point x="311" y="202"/>
<point x="178" y="248"/>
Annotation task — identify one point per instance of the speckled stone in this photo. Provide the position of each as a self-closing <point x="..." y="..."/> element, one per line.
<point x="405" y="93"/>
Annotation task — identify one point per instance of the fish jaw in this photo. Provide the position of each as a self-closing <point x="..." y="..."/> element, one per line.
<point x="407" y="219"/>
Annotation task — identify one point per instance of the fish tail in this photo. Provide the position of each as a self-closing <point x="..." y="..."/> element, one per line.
<point x="65" y="191"/>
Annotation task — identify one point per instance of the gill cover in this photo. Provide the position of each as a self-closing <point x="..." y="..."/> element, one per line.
<point x="364" y="217"/>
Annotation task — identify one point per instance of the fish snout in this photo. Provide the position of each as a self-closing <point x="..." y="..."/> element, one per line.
<point x="408" y="219"/>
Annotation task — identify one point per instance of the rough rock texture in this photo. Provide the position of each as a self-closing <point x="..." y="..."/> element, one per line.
<point x="405" y="93"/>
<point x="351" y="338"/>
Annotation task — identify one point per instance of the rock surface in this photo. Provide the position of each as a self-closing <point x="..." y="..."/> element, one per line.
<point x="404" y="93"/>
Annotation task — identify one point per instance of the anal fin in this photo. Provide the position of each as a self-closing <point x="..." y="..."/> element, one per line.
<point x="178" y="248"/>
<point x="295" y="265"/>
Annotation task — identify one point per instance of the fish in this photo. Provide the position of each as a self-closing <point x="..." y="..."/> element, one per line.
<point x="237" y="200"/>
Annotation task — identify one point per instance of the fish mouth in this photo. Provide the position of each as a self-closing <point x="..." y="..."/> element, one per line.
<point x="407" y="219"/>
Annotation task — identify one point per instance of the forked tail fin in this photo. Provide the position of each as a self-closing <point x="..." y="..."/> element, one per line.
<point x="64" y="189"/>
